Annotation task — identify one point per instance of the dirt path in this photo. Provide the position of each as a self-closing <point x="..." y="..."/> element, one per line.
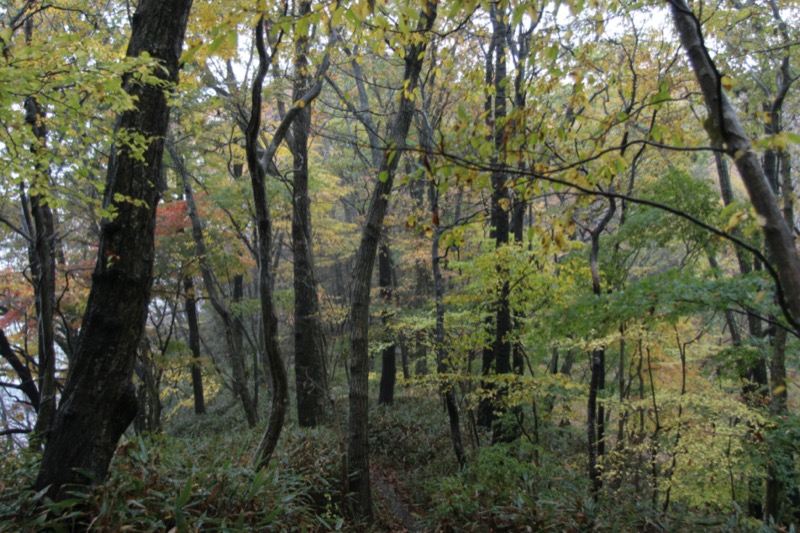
<point x="388" y="490"/>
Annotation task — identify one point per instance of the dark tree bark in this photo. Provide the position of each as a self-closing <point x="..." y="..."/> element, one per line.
<point x="486" y="416"/>
<point x="388" y="354"/>
<point x="99" y="401"/>
<point x="726" y="132"/>
<point x="190" y="307"/>
<point x="447" y="387"/>
<point x="358" y="441"/>
<point x="27" y="382"/>
<point x="148" y="415"/>
<point x="782" y="181"/>
<point x="499" y="360"/>
<point x="43" y="267"/>
<point x="280" y="382"/>
<point x="595" y="410"/>
<point x="311" y="373"/>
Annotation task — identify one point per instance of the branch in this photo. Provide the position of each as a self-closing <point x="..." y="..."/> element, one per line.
<point x="28" y="384"/>
<point x="14" y="431"/>
<point x="780" y="293"/>
<point x="291" y="114"/>
<point x="16" y="229"/>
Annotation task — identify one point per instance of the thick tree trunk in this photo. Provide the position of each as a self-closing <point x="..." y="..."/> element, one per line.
<point x="311" y="373"/>
<point x="358" y="440"/>
<point x="99" y="401"/>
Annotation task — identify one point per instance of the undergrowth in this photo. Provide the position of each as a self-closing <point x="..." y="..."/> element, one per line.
<point x="191" y="481"/>
<point x="196" y="477"/>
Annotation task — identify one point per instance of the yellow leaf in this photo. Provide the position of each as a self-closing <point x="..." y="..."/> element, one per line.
<point x="727" y="83"/>
<point x="734" y="220"/>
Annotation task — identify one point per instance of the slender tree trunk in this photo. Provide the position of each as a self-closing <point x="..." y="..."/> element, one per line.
<point x="27" y="382"/>
<point x="595" y="409"/>
<point x="43" y="266"/>
<point x="724" y="129"/>
<point x="148" y="417"/>
<point x="499" y="360"/>
<point x="388" y="354"/>
<point x="776" y="480"/>
<point x="190" y="307"/>
<point x="233" y="337"/>
<point x="404" y="357"/>
<point x="280" y="382"/>
<point x="447" y="387"/>
<point x="99" y="400"/>
<point x="358" y="441"/>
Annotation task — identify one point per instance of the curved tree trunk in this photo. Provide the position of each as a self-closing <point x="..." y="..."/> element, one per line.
<point x="725" y="130"/>
<point x="280" y="383"/>
<point x="99" y="400"/>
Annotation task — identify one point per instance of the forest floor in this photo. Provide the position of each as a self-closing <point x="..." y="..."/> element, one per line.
<point x="393" y="496"/>
<point x="196" y="477"/>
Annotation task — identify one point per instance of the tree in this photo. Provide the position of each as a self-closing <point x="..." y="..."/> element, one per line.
<point x="231" y="323"/>
<point x="99" y="401"/>
<point x="280" y="386"/>
<point x="725" y="130"/>
<point x="358" y="424"/>
<point x="311" y="372"/>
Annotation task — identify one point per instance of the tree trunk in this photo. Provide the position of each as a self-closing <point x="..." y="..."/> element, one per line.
<point x="99" y="401"/>
<point x="388" y="354"/>
<point x="43" y="267"/>
<point x="358" y="440"/>
<point x="311" y="373"/>
<point x="233" y="338"/>
<point x="595" y="410"/>
<point x="280" y="382"/>
<point x="776" y="478"/>
<point x="502" y="431"/>
<point x="148" y="416"/>
<point x="724" y="129"/>
<point x="27" y="382"/>
<point x="190" y="306"/>
<point x="447" y="387"/>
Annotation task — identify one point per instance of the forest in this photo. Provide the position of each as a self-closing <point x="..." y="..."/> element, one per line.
<point x="399" y="265"/>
